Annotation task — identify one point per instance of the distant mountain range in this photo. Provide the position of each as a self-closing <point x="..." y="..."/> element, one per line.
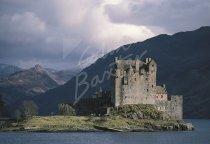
<point x="6" y="70"/>
<point x="18" y="84"/>
<point x="183" y="65"/>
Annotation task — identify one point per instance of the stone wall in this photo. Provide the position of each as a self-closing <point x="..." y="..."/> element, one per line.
<point x="173" y="108"/>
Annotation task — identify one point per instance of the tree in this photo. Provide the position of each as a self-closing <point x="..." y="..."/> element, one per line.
<point x="18" y="115"/>
<point x="29" y="109"/>
<point x="66" y="109"/>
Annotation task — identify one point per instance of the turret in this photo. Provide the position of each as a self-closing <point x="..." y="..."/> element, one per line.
<point x="147" y="60"/>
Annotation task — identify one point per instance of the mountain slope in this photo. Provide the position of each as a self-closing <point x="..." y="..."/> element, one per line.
<point x="66" y="75"/>
<point x="6" y="70"/>
<point x="30" y="82"/>
<point x="25" y="84"/>
<point x="182" y="60"/>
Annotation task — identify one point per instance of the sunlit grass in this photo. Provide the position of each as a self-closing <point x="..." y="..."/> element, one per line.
<point x="55" y="123"/>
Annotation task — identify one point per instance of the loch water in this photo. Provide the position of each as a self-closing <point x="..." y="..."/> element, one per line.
<point x="201" y="135"/>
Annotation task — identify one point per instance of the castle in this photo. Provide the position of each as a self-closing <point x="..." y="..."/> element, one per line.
<point x="134" y="82"/>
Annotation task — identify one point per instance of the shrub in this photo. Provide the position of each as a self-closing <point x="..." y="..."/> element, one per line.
<point x="138" y="111"/>
<point x="28" y="109"/>
<point x="66" y="109"/>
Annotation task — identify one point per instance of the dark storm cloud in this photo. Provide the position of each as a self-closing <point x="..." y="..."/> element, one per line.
<point x="169" y="15"/>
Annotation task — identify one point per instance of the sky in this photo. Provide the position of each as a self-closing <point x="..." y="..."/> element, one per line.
<point x="64" y="34"/>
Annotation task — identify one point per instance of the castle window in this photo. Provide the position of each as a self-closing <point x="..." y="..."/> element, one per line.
<point x="161" y="96"/>
<point x="152" y="67"/>
<point x="147" y="90"/>
<point x="125" y="80"/>
<point x="152" y="86"/>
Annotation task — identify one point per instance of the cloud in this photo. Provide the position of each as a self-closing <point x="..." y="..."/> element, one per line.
<point x="89" y="21"/>
<point x="71" y="13"/>
<point x="99" y="32"/>
<point x="23" y="28"/>
<point x="169" y="16"/>
<point x="103" y="32"/>
<point x="59" y="32"/>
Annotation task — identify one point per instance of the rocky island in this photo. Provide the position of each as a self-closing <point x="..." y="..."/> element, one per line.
<point x="135" y="103"/>
<point x="130" y="118"/>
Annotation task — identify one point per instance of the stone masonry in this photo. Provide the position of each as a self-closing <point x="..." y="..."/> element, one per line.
<point x="134" y="82"/>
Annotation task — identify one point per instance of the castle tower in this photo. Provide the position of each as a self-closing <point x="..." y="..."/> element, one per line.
<point x="134" y="82"/>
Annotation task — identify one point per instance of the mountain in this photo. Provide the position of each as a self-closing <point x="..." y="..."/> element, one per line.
<point x="63" y="75"/>
<point x="6" y="70"/>
<point x="34" y="81"/>
<point x="183" y="65"/>
<point x="66" y="75"/>
<point x="25" y="84"/>
<point x="30" y="82"/>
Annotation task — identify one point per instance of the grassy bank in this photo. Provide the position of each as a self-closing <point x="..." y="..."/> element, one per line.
<point x="83" y="123"/>
<point x="123" y="118"/>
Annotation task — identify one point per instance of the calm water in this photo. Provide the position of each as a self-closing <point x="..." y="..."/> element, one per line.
<point x="200" y="136"/>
